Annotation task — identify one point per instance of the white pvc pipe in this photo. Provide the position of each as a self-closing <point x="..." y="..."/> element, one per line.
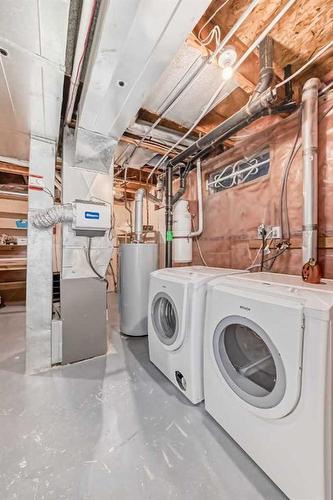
<point x="310" y="169"/>
<point x="87" y="11"/>
<point x="200" y="207"/>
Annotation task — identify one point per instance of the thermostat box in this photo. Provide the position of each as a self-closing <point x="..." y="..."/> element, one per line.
<point x="90" y="218"/>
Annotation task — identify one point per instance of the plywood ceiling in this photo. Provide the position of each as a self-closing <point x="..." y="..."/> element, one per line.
<point x="306" y="27"/>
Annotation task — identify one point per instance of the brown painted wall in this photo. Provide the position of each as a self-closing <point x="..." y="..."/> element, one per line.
<point x="231" y="217"/>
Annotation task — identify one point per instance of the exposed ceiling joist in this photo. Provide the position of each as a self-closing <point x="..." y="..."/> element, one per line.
<point x="146" y="145"/>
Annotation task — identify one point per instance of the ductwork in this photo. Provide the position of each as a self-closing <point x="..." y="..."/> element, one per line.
<point x="52" y="216"/>
<point x="310" y="169"/>
<point x="124" y="64"/>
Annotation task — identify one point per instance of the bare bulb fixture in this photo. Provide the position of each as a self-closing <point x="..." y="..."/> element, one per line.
<point x="226" y="60"/>
<point x="227" y="72"/>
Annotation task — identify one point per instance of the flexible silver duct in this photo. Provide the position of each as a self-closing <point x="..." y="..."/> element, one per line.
<point x="54" y="215"/>
<point x="310" y="168"/>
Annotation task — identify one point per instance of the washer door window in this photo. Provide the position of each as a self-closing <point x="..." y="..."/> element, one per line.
<point x="165" y="318"/>
<point x="249" y="362"/>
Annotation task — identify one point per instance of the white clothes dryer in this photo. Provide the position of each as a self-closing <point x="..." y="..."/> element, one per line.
<point x="176" y="323"/>
<point x="268" y="375"/>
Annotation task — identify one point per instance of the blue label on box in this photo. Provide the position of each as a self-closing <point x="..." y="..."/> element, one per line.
<point x="91" y="215"/>
<point x="21" y="223"/>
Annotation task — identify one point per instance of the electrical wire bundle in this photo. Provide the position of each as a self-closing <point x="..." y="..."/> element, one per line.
<point x="264" y="249"/>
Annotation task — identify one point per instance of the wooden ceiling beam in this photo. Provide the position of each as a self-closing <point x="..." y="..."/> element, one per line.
<point x="120" y="181"/>
<point x="150" y="117"/>
<point x="146" y="145"/>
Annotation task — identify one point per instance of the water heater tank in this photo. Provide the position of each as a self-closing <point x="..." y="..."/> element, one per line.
<point x="182" y="245"/>
<point x="137" y="261"/>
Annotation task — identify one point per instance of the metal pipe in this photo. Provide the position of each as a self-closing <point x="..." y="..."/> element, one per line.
<point x="182" y="185"/>
<point x="266" y="67"/>
<point x="139" y="195"/>
<point x="198" y="232"/>
<point x="219" y="133"/>
<point x="168" y="217"/>
<point x="87" y="14"/>
<point x="310" y="169"/>
<point x="262" y="98"/>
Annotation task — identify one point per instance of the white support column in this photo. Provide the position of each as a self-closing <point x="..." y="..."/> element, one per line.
<point x="39" y="261"/>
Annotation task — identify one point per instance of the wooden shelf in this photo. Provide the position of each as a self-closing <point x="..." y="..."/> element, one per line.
<point x="12" y="285"/>
<point x="11" y="246"/>
<point x="13" y="264"/>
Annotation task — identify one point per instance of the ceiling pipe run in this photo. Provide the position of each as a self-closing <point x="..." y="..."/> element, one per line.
<point x="264" y="97"/>
<point x="310" y="169"/>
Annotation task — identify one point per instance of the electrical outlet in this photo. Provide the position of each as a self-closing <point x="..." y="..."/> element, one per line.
<point x="261" y="228"/>
<point x="276" y="233"/>
<point x="271" y="232"/>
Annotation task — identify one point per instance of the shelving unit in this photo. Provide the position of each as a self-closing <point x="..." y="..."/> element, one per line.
<point x="13" y="208"/>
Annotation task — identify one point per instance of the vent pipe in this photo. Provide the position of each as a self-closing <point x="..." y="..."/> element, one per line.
<point x="138" y="227"/>
<point x="310" y="169"/>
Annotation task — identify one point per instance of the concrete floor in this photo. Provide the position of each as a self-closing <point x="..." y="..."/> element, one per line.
<point x="111" y="428"/>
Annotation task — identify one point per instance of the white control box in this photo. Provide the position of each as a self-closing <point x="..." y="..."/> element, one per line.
<point x="94" y="217"/>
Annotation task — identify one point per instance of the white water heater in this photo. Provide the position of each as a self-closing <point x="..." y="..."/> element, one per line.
<point x="182" y="226"/>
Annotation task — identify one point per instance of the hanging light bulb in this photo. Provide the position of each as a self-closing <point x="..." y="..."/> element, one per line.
<point x="227" y="72"/>
<point x="226" y="60"/>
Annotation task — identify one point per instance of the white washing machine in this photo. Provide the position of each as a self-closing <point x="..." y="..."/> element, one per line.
<point x="176" y="324"/>
<point x="268" y="375"/>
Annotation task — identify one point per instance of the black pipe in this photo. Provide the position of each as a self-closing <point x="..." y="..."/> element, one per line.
<point x="182" y="185"/>
<point x="288" y="107"/>
<point x="264" y="97"/>
<point x="219" y="133"/>
<point x="168" y="216"/>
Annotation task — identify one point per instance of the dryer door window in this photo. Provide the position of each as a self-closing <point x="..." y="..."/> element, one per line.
<point x="249" y="362"/>
<point x="165" y="318"/>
